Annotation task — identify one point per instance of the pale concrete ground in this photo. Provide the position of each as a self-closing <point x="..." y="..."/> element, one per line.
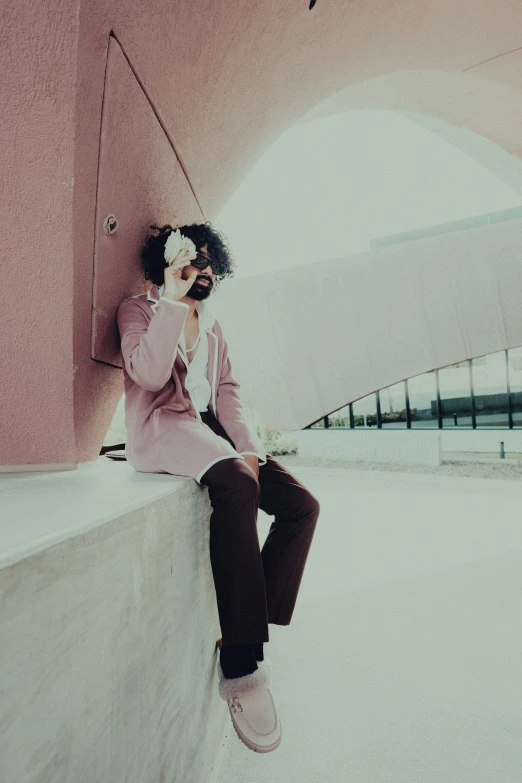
<point x="402" y="663"/>
<point x="464" y="464"/>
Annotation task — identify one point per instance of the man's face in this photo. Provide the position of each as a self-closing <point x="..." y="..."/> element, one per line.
<point x="200" y="289"/>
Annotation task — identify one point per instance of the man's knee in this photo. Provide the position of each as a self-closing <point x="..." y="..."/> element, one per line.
<point x="312" y="505"/>
<point x="232" y="475"/>
<point x="244" y="478"/>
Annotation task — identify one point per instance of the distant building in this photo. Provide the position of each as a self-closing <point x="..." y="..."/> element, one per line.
<point x="481" y="393"/>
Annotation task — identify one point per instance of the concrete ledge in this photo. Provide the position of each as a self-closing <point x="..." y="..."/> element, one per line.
<point x="38" y="467"/>
<point x="44" y="508"/>
<point x="409" y="447"/>
<point x="457" y="457"/>
<point x="414" y="446"/>
<point x="109" y="622"/>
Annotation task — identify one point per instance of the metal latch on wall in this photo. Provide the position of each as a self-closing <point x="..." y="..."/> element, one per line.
<point x="110" y="224"/>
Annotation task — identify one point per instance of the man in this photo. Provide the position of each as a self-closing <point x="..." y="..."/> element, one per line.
<point x="184" y="416"/>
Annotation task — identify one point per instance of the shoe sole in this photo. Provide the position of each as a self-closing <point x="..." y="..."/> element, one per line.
<point x="251" y="745"/>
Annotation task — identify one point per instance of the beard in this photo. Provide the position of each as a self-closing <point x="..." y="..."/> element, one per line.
<point x="199" y="291"/>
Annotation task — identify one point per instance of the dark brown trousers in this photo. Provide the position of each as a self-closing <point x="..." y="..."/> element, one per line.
<point x="256" y="586"/>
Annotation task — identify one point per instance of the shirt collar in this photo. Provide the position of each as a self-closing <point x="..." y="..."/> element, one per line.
<point x="205" y="316"/>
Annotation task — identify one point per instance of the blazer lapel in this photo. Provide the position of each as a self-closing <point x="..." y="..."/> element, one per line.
<point x="153" y="296"/>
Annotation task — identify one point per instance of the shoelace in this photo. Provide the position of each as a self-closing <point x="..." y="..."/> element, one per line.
<point x="235" y="704"/>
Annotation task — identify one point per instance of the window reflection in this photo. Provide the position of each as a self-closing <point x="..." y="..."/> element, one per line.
<point x="455" y="395"/>
<point x="515" y="384"/>
<point x="422" y="393"/>
<point x="365" y="411"/>
<point x="490" y="396"/>
<point x="490" y="390"/>
<point x="393" y="406"/>
<point x="340" y="418"/>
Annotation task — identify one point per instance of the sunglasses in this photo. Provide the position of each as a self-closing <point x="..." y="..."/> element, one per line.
<point x="200" y="262"/>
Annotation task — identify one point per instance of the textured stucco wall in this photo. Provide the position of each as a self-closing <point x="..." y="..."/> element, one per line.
<point x="37" y="94"/>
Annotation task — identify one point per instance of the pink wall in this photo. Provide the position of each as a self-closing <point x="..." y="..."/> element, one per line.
<point x="224" y="80"/>
<point x="38" y="63"/>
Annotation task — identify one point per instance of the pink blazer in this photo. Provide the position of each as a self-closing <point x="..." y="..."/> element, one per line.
<point x="165" y="432"/>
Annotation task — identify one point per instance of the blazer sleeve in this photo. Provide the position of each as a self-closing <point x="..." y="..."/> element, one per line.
<point x="149" y="348"/>
<point x="232" y="415"/>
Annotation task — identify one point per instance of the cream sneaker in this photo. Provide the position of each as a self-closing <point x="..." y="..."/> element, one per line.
<point x="252" y="707"/>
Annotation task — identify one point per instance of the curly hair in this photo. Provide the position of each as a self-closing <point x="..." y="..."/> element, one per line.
<point x="152" y="253"/>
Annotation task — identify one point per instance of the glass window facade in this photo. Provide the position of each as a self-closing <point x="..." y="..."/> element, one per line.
<point x="422" y="398"/>
<point x="481" y="393"/>
<point x="393" y="407"/>
<point x="455" y="396"/>
<point x="489" y="376"/>
<point x="365" y="412"/>
<point x="515" y="384"/>
<point x="340" y="418"/>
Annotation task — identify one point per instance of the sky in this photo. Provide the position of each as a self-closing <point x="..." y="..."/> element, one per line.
<point x="326" y="188"/>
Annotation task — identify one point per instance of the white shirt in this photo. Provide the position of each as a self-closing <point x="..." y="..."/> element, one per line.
<point x="196" y="383"/>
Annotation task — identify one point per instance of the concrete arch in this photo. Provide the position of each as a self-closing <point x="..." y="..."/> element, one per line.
<point x="466" y="99"/>
<point x="467" y="109"/>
